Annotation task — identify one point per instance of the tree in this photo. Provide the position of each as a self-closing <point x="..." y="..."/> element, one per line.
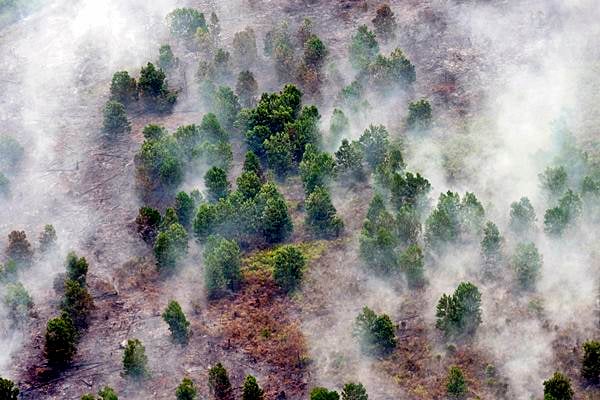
<point x="339" y="124"/>
<point x="385" y="23"/>
<point x="288" y="265"/>
<point x="17" y="301"/>
<point x="107" y="393"/>
<point x="408" y="225"/>
<point x="218" y="382"/>
<point x="159" y="164"/>
<point x="522" y="216"/>
<point x="47" y="238"/>
<point x="554" y="181"/>
<point x="170" y="247"/>
<point x="135" y="361"/>
<point x="411" y="263"/>
<point x="184" y="207"/>
<point x="251" y="390"/>
<point x="316" y="168"/>
<point x="8" y="390"/>
<point x="321" y="215"/>
<point x="246" y="88"/>
<point x="456" y="385"/>
<point x="558" y="387"/>
<point x="226" y="106"/>
<point x="88" y="396"/>
<point x="221" y="266"/>
<point x="216" y="183"/>
<point x="210" y="129"/>
<point x="77" y="303"/>
<point x="526" y="263"/>
<point x="184" y="22"/>
<point x="354" y="391"/>
<point x="459" y="314"/>
<point x="248" y="184"/>
<point x="321" y="393"/>
<point x="252" y="164"/>
<point x="364" y="48"/>
<point x="115" y="118"/>
<point x="374" y="142"/>
<point x="375" y="333"/>
<point x="244" y="47"/>
<point x="19" y="248"/>
<point x="153" y="87"/>
<point x="147" y="223"/>
<point x="178" y="324"/>
<point x="222" y="66"/>
<point x="186" y="390"/>
<point x="275" y="219"/>
<point x="389" y="73"/>
<point x="166" y="59"/>
<point x="408" y="189"/>
<point x="154" y="132"/>
<point x="314" y="52"/>
<point x="491" y="247"/>
<point x="419" y="115"/>
<point x="123" y="88"/>
<point x="558" y="219"/>
<point x="205" y="221"/>
<point x="279" y="153"/>
<point x="590" y="363"/>
<point x="349" y="161"/>
<point x="11" y="153"/>
<point x="77" y="268"/>
<point x="61" y="339"/>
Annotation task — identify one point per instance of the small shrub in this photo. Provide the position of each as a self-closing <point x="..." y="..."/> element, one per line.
<point x="218" y="382"/>
<point x="456" y="385"/>
<point x="186" y="390"/>
<point x="288" y="264"/>
<point x="251" y="390"/>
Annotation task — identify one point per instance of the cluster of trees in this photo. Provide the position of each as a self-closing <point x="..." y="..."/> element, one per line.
<point x="8" y="390"/>
<point x="375" y="333"/>
<point x="63" y="332"/>
<point x="459" y="314"/>
<point x="350" y="391"/>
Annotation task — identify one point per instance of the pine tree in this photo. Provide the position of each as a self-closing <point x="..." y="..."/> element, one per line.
<point x="178" y="324"/>
<point x="456" y="384"/>
<point x="218" y="382"/>
<point x="251" y="390"/>
<point x="186" y="390"/>
<point x="134" y="359"/>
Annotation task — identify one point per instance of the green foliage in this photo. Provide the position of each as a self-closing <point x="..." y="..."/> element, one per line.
<point x="123" y="88"/>
<point x="244" y="47"/>
<point x="184" y="207"/>
<point x="590" y="363"/>
<point x="526" y="263"/>
<point x="4" y="185"/>
<point x="408" y="225"/>
<point x="19" y="249"/>
<point x="166" y="59"/>
<point x="153" y="87"/>
<point x="226" y="106"/>
<point x="279" y="153"/>
<point x="221" y="64"/>
<point x="375" y="333"/>
<point x="246" y="88"/>
<point x="408" y="189"/>
<point x="314" y="51"/>
<point x="419" y="115"/>
<point x="159" y="163"/>
<point x="107" y="393"/>
<point x="385" y="23"/>
<point x="388" y="73"/>
<point x="354" y="391"/>
<point x="339" y="124"/>
<point x="491" y="247"/>
<point x="321" y="216"/>
<point x="184" y="22"/>
<point x="88" y="396"/>
<point x="558" y="387"/>
<point x="218" y="382"/>
<point x="216" y="183"/>
<point x="155" y="132"/>
<point x="47" y="238"/>
<point x="374" y="141"/>
<point x="349" y="161"/>
<point x="248" y="183"/>
<point x="18" y="302"/>
<point x="251" y="390"/>
<point x="252" y="164"/>
<point x="61" y="340"/>
<point x="147" y="223"/>
<point x="275" y="219"/>
<point x="8" y="390"/>
<point x="135" y="362"/>
<point x="221" y="266"/>
<point x="321" y="393"/>
<point x="11" y="153"/>
<point x="351" y="95"/>
<point x="288" y="265"/>
<point x="411" y="263"/>
<point x="178" y="324"/>
<point x="558" y="219"/>
<point x="377" y="241"/>
<point x="77" y="268"/>
<point x="316" y="168"/>
<point x="210" y="129"/>
<point x="459" y="314"/>
<point x="170" y="247"/>
<point x="364" y="48"/>
<point x="522" y="216"/>
<point x="456" y="385"/>
<point x="392" y="164"/>
<point x="8" y="271"/>
<point x="77" y="303"/>
<point x="554" y="181"/>
<point x="186" y="390"/>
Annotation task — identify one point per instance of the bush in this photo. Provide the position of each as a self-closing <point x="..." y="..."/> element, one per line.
<point x="375" y="333"/>
<point x="522" y="216"/>
<point x="354" y="391"/>
<point x="184" y="22"/>
<point x="385" y="23"/>
<point x="558" y="387"/>
<point x="170" y="247"/>
<point x="19" y="248"/>
<point x="374" y="142"/>
<point x="419" y="115"/>
<point x="251" y="390"/>
<point x="61" y="339"/>
<point x="178" y="324"/>
<point x="526" y="263"/>
<point x="115" y="118"/>
<point x="411" y="263"/>
<point x="459" y="314"/>
<point x="321" y="216"/>
<point x="18" y="302"/>
<point x="154" y="132"/>
<point x="218" y="382"/>
<point x="186" y="390"/>
<point x="216" y="183"/>
<point x="321" y="393"/>
<point x="590" y="363"/>
<point x="221" y="266"/>
<point x="134" y="359"/>
<point x="147" y="223"/>
<point x="8" y="390"/>
<point x="288" y="265"/>
<point x="123" y="88"/>
<point x="47" y="238"/>
<point x="456" y="385"/>
<point x="364" y="48"/>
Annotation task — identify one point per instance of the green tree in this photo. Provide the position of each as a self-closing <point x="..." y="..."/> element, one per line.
<point x="18" y="248"/>
<point x="77" y="303"/>
<point x="8" y="390"/>
<point x="147" y="222"/>
<point x="522" y="216"/>
<point x="152" y="81"/>
<point x="321" y="393"/>
<point x="216" y="183"/>
<point x="554" y="181"/>
<point x="459" y="313"/>
<point x="186" y="390"/>
<point x="154" y="132"/>
<point x="77" y="268"/>
<point x="354" y="391"/>
<point x="339" y="125"/>
<point x="170" y="247"/>
<point x="419" y="115"/>
<point x="252" y="164"/>
<point x="590" y="363"/>
<point x="244" y="47"/>
<point x="316" y="168"/>
<point x="385" y="23"/>
<point x="279" y="153"/>
<point x="558" y="219"/>
<point x="226" y="106"/>
<point x="408" y="225"/>
<point x="491" y="247"/>
<point x="218" y="382"/>
<point x="222" y="263"/>
<point x="375" y="333"/>
<point x="184" y="207"/>
<point x="456" y="385"/>
<point x="321" y="216"/>
<point x="377" y="241"/>
<point x="205" y="221"/>
<point x="246" y="88"/>
<point x="314" y="52"/>
<point x="159" y="164"/>
<point x="61" y="340"/>
<point x="178" y="324"/>
<point x="123" y="88"/>
<point x="47" y="238"/>
<point x="275" y="219"/>
<point x="184" y="22"/>
<point x="211" y="130"/>
<point x="251" y="390"/>
<point x="17" y="301"/>
<point x="11" y="153"/>
<point x="408" y="189"/>
<point x="166" y="59"/>
<point x="411" y="263"/>
<point x="526" y="263"/>
<point x="349" y="161"/>
<point x="364" y="48"/>
<point x="288" y="265"/>
<point x="558" y="387"/>
<point x="107" y="393"/>
<point x="374" y="141"/>
<point x="248" y="184"/>
<point x="135" y="362"/>
<point x="389" y="73"/>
